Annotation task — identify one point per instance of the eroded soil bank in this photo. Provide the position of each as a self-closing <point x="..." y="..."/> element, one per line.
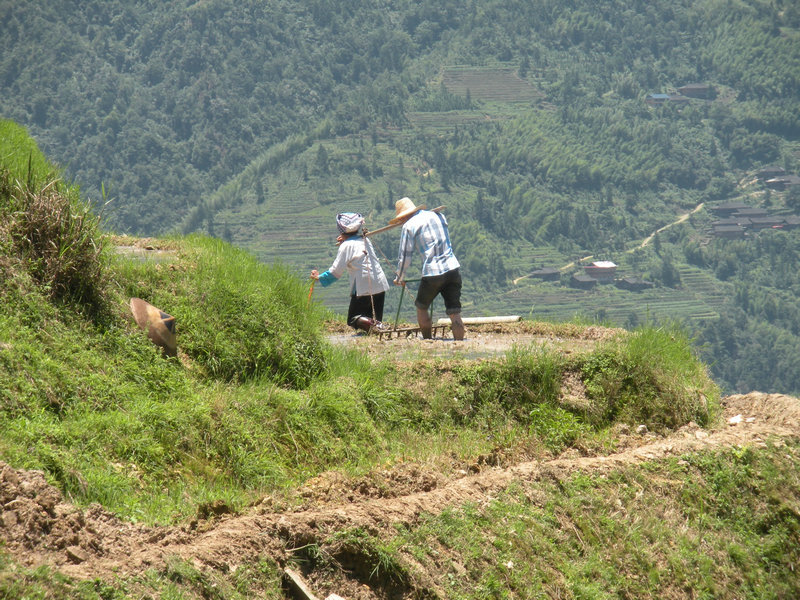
<point x="38" y="527"/>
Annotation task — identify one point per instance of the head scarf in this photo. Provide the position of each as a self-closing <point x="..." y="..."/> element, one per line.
<point x="349" y="222"/>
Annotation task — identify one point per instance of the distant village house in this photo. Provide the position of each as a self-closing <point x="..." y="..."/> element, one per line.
<point x="784" y="183"/>
<point x="791" y="222"/>
<point x="737" y="219"/>
<point x="730" y="232"/>
<point x="703" y="91"/>
<point x="771" y="172"/>
<point x="731" y="221"/>
<point x="726" y="209"/>
<point x="633" y="284"/>
<point x="750" y="212"/>
<point x="656" y="99"/>
<point x="583" y="282"/>
<point x="547" y="274"/>
<point x="601" y="270"/>
<point x="768" y="222"/>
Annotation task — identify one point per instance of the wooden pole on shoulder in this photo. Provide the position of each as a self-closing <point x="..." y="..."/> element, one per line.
<point x="393" y="225"/>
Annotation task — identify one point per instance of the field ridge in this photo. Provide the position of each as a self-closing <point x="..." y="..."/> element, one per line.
<point x="42" y="529"/>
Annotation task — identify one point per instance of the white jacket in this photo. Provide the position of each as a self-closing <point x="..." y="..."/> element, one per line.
<point x="357" y="256"/>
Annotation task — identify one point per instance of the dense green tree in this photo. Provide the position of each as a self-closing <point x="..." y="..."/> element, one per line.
<point x="185" y="114"/>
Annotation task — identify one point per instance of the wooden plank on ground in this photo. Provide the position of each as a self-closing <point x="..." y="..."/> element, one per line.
<point x="298" y="586"/>
<point x="482" y="320"/>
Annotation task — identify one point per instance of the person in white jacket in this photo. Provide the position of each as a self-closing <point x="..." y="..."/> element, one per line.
<point x="368" y="284"/>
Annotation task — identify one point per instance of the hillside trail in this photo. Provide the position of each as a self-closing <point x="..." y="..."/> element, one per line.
<point x="39" y="527"/>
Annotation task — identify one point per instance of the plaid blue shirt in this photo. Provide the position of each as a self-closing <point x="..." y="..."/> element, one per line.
<point x="427" y="231"/>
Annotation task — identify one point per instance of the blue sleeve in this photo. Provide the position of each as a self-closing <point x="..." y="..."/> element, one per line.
<point x="326" y="278"/>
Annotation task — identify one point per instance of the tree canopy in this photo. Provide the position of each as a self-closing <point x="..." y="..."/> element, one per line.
<point x="255" y="120"/>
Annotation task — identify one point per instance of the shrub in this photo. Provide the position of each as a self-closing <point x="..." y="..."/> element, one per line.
<point x="56" y="237"/>
<point x="525" y="378"/>
<point x="650" y="376"/>
<point x="46" y="230"/>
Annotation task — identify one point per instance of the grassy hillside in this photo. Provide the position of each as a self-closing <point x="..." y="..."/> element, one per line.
<point x="257" y="402"/>
<point x="251" y="352"/>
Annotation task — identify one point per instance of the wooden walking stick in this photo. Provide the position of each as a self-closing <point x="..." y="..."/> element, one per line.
<point x="310" y="291"/>
<point x="399" y="304"/>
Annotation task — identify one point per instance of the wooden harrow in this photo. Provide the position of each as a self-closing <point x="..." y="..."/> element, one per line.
<point x="407" y="331"/>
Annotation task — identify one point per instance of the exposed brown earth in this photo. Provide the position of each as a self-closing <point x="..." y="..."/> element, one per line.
<point x="38" y="527"/>
<point x="480" y="341"/>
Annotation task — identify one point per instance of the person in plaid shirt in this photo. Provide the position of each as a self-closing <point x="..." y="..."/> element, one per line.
<point x="427" y="231"/>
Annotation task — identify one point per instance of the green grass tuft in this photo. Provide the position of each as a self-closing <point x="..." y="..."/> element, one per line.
<point x="650" y="376"/>
<point x="238" y="319"/>
<point x="46" y="231"/>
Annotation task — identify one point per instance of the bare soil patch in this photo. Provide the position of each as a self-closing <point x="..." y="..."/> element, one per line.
<point x="481" y="341"/>
<point x="38" y="527"/>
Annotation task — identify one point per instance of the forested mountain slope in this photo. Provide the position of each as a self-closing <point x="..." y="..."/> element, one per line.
<point x="187" y="92"/>
<point x="258" y="121"/>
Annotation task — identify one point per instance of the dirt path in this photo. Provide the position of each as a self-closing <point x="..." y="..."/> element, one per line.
<point x="679" y="220"/>
<point x="39" y="528"/>
<point x="480" y="341"/>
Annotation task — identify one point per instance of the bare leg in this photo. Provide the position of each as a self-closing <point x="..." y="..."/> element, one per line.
<point x="457" y="326"/>
<point x="425" y="322"/>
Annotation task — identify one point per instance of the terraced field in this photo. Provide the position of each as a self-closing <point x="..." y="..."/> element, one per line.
<point x="492" y="84"/>
<point x="523" y="259"/>
<point x="713" y="292"/>
<point x="554" y="301"/>
<point x="447" y="121"/>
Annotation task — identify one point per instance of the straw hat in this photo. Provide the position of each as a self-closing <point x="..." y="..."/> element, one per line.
<point x="160" y="326"/>
<point x="404" y="208"/>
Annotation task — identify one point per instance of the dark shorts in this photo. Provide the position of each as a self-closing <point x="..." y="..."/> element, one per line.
<point x="448" y="285"/>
